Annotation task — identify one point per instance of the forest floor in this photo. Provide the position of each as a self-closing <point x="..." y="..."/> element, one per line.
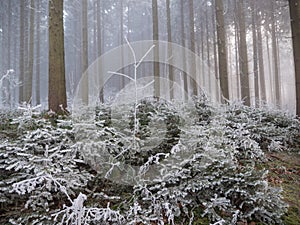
<point x="284" y="171"/>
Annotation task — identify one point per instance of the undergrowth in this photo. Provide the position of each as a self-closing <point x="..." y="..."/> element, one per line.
<point x="172" y="163"/>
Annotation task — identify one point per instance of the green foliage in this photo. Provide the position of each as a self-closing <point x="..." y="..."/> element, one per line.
<point x="292" y="216"/>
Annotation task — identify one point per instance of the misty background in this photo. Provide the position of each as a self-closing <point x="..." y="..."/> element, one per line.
<point x="93" y="27"/>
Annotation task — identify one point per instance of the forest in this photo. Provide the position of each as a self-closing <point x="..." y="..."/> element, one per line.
<point x="150" y="112"/>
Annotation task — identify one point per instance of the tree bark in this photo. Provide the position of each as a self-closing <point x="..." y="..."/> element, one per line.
<point x="1" y="56"/>
<point x="237" y="54"/>
<point x="123" y="81"/>
<point x="202" y="51"/>
<point x="275" y="57"/>
<point x="99" y="44"/>
<point x="294" y="7"/>
<point x="156" y="69"/>
<point x="22" y="51"/>
<point x="26" y="47"/>
<point x="5" y="94"/>
<point x="85" y="80"/>
<point x="38" y="52"/>
<point x="244" y="76"/>
<point x="208" y="52"/>
<point x="57" y="85"/>
<point x="217" y="76"/>
<point x="222" y="50"/>
<point x="193" y="48"/>
<point x="170" y="52"/>
<point x="255" y="54"/>
<point x="9" y="25"/>
<point x="95" y="50"/>
<point x="29" y="72"/>
<point x="262" y="79"/>
<point x="271" y="91"/>
<point x="182" y="29"/>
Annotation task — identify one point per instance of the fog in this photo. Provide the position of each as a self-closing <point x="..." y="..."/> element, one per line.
<point x="102" y="26"/>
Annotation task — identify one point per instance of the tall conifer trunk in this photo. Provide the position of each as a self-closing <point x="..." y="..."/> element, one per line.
<point x="57" y="99"/>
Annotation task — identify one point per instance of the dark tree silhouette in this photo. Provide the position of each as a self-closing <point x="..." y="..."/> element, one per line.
<point x="295" y="23"/>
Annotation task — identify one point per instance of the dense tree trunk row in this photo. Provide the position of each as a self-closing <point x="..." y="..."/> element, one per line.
<point x="218" y="31"/>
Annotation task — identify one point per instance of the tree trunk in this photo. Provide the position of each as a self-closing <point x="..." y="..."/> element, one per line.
<point x="29" y="73"/>
<point x="222" y="50"/>
<point x="269" y="65"/>
<point x="170" y="52"/>
<point x="262" y="79"/>
<point x="22" y="51"/>
<point x="217" y="76"/>
<point x="3" y="61"/>
<point x="208" y="52"/>
<point x="204" y="80"/>
<point x="15" y="59"/>
<point x="123" y="81"/>
<point x="57" y="85"/>
<point x="99" y="44"/>
<point x="9" y="82"/>
<point x="6" y="51"/>
<point x="193" y="48"/>
<point x="229" y="71"/>
<point x="182" y="29"/>
<point x="295" y="24"/>
<point x="1" y="55"/>
<point x="244" y="77"/>
<point x="85" y="77"/>
<point x="275" y="57"/>
<point x="26" y="48"/>
<point x="237" y="54"/>
<point x="38" y="52"/>
<point x="95" y="50"/>
<point x="156" y="49"/>
<point x="255" y="54"/>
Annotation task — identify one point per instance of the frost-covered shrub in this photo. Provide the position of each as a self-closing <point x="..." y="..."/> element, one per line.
<point x="112" y="137"/>
<point x="27" y="119"/>
<point x="169" y="164"/>
<point x="205" y="171"/>
<point x="78" y="214"/>
<point x="6" y="117"/>
<point x="204" y="109"/>
<point x="274" y="130"/>
<point x="158" y="129"/>
<point x="7" y="129"/>
<point x="40" y="170"/>
<point x="210" y="167"/>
